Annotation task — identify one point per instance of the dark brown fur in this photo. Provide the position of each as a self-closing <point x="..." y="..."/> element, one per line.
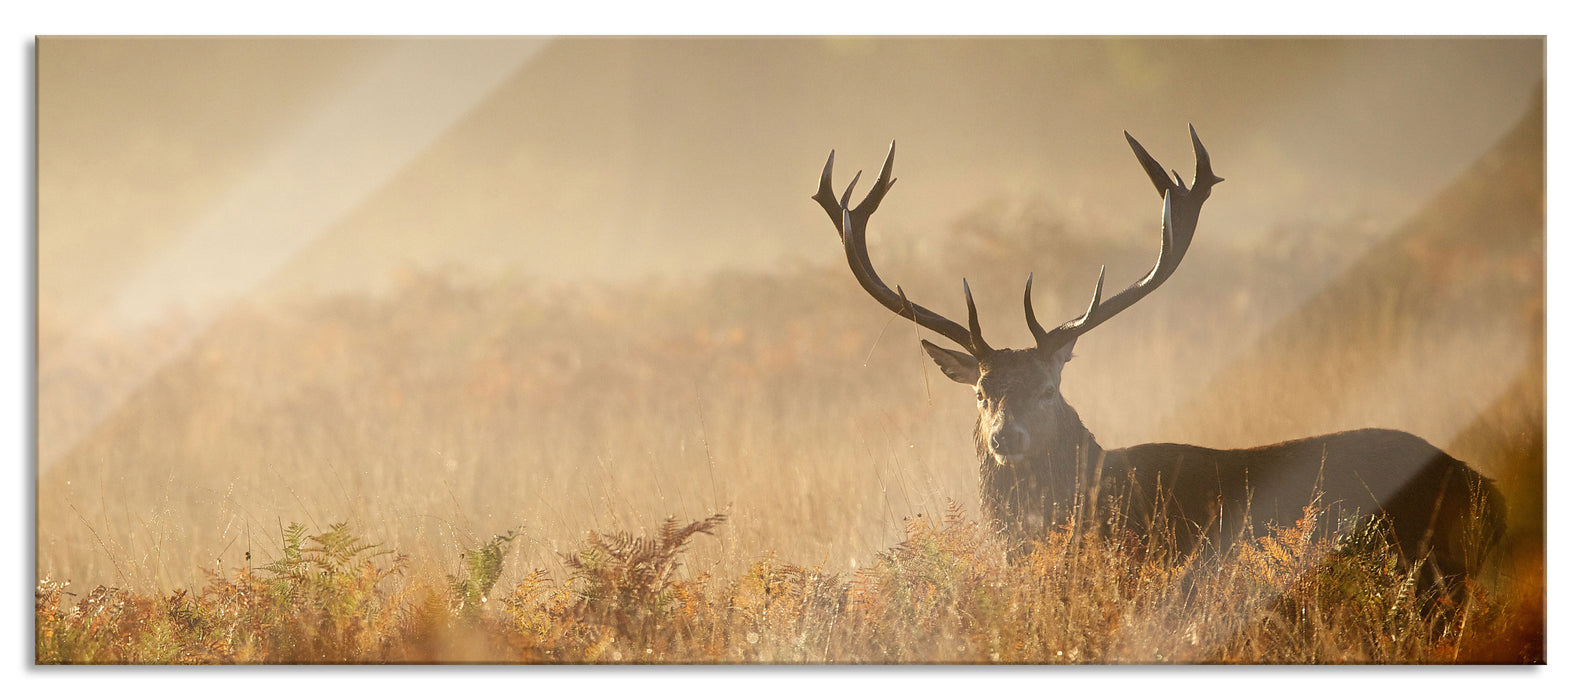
<point x="1436" y="507"/>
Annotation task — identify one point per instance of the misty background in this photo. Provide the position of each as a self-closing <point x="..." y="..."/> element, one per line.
<point x="611" y="157"/>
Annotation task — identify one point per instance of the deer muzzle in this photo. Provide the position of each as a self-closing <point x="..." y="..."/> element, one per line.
<point x="1008" y="443"/>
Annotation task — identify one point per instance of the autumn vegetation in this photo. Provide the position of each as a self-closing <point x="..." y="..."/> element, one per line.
<point x="946" y="594"/>
<point x="761" y="467"/>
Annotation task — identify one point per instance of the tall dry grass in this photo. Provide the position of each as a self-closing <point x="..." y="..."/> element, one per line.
<point x="454" y="409"/>
<point x="945" y="594"/>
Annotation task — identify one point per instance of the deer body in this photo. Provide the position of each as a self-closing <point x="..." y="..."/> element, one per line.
<point x="1038" y="463"/>
<point x="1430" y="497"/>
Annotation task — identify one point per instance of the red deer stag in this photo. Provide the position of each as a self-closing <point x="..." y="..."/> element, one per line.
<point x="1037" y="460"/>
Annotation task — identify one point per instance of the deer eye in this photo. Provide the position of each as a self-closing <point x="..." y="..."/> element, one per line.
<point x="981" y="399"/>
<point x="1048" y="394"/>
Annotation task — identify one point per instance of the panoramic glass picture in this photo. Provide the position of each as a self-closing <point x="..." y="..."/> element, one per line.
<point x="804" y="350"/>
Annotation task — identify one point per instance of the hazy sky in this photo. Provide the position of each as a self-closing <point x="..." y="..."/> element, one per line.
<point x="181" y="172"/>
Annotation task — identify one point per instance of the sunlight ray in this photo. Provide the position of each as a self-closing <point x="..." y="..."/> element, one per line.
<point x="322" y="171"/>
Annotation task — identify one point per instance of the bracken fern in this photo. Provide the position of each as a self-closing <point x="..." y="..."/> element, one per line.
<point x="947" y="593"/>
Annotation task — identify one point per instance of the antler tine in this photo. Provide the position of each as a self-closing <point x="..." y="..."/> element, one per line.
<point x="846" y="196"/>
<point x="1204" y="174"/>
<point x="852" y="224"/>
<point x="825" y="195"/>
<point x="974" y="332"/>
<point x="1027" y="309"/>
<point x="881" y="187"/>
<point x="1098" y="293"/>
<point x="1182" y="205"/>
<point x="1156" y="172"/>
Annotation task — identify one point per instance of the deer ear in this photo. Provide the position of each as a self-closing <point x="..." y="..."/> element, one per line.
<point x="957" y="365"/>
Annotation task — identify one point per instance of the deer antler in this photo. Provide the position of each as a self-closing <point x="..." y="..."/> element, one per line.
<point x="852" y="224"/>
<point x="1182" y="205"/>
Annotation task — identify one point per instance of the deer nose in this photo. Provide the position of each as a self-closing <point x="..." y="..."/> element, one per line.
<point x="1010" y="441"/>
